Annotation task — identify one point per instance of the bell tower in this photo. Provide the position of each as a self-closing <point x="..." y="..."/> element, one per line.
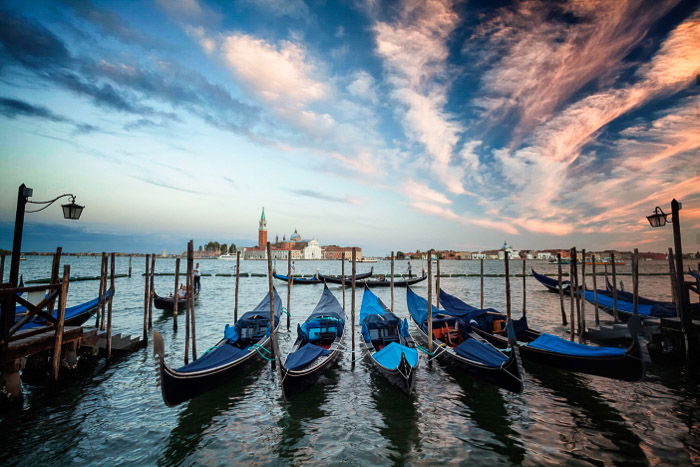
<point x="262" y="231"/>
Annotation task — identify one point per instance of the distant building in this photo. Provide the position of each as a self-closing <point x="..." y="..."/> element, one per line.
<point x="507" y="249"/>
<point x="339" y="252"/>
<point x="313" y="250"/>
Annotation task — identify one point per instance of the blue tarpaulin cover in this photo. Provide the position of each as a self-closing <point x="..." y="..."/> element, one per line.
<point x="220" y="355"/>
<point x="480" y="352"/>
<point x="328" y="316"/>
<point x="628" y="307"/>
<point x="418" y="307"/>
<point x="305" y="355"/>
<point x="566" y="347"/>
<point x="483" y="319"/>
<point x="371" y="305"/>
<point x="70" y="312"/>
<point x="390" y="356"/>
<point x="456" y="307"/>
<point x="230" y="333"/>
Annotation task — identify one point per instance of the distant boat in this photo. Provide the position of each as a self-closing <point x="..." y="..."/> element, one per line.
<point x="23" y="258"/>
<point x="228" y="256"/>
<point x="563" y="261"/>
<point x="368" y="260"/>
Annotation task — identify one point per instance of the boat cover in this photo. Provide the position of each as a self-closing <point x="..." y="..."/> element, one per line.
<point x="219" y="355"/>
<point x="386" y="326"/>
<point x="390" y="356"/>
<point x="328" y="316"/>
<point x="562" y="346"/>
<point x="481" y="352"/>
<point x="459" y="309"/>
<point x="418" y="307"/>
<point x="371" y="305"/>
<point x="230" y="333"/>
<point x="626" y="307"/>
<point x="262" y="310"/>
<point x="305" y="355"/>
<point x="484" y="318"/>
<point x="71" y="312"/>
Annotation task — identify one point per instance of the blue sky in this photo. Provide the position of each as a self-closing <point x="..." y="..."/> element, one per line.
<point x="387" y="125"/>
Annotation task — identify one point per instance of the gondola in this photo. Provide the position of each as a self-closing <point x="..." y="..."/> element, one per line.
<point x="551" y="284"/>
<point x="455" y="344"/>
<point x="382" y="282"/>
<point x="546" y="349"/>
<point x="319" y="279"/>
<point x="243" y="343"/>
<point x="629" y="297"/>
<point x="74" y="316"/>
<point x="167" y="303"/>
<point x="625" y="309"/>
<point x="317" y="345"/>
<point x="387" y="344"/>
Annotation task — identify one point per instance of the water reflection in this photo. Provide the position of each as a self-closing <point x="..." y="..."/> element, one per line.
<point x="599" y="428"/>
<point x="487" y="409"/>
<point x="300" y="413"/>
<point x="399" y="415"/>
<point x="194" y="420"/>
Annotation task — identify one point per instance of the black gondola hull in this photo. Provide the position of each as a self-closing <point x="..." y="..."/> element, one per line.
<point x="319" y="279"/>
<point x="507" y="376"/>
<point x="168" y="303"/>
<point x="294" y="382"/>
<point x="402" y="378"/>
<point x="374" y="283"/>
<point x="629" y="367"/>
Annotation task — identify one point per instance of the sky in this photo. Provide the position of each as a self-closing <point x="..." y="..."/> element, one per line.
<point x="396" y="125"/>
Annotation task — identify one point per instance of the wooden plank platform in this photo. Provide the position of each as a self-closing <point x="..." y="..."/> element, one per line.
<point x="24" y="346"/>
<point x="674" y="324"/>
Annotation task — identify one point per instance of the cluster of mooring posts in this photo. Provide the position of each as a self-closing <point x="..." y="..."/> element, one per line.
<point x="40" y="332"/>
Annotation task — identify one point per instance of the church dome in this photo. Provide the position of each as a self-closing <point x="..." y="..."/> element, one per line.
<point x="295" y="237"/>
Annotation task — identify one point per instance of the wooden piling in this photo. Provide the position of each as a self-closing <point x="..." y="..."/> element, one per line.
<point x="2" y="268"/>
<point x="146" y="294"/>
<point x="188" y="316"/>
<point x="342" y="279"/>
<point x="614" y="279"/>
<point x="290" y="281"/>
<point x="129" y="266"/>
<point x="430" y="301"/>
<point x="55" y="265"/>
<point x="575" y="291"/>
<point x="524" y="289"/>
<point x="437" y="282"/>
<point x="58" y="339"/>
<point x="103" y="298"/>
<point x="238" y="275"/>
<point x="561" y="291"/>
<point x="271" y="291"/>
<point x="352" y="302"/>
<point x="99" y="315"/>
<point x="481" y="280"/>
<point x="595" y="293"/>
<point x="152" y="294"/>
<point x="672" y="274"/>
<point x="391" y="286"/>
<point x="635" y="282"/>
<point x="572" y="308"/>
<point x="582" y="324"/>
<point x="176" y="294"/>
<point x="190" y="299"/>
<point x="112" y="268"/>
<point x="507" y="274"/>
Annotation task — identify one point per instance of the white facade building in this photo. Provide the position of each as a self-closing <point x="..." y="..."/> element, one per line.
<point x="313" y="250"/>
<point x="511" y="252"/>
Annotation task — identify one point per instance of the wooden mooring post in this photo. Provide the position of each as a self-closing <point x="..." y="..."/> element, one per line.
<point x="506" y="268"/>
<point x="481" y="280"/>
<point x="561" y="291"/>
<point x="437" y="282"/>
<point x="575" y="292"/>
<point x="596" y="312"/>
<point x="152" y="291"/>
<point x="146" y="294"/>
<point x="524" y="289"/>
<point x="103" y="298"/>
<point x="58" y="335"/>
<point x="235" y="298"/>
<point x="672" y="274"/>
<point x="190" y="298"/>
<point x="129" y="275"/>
<point x="635" y="282"/>
<point x="176" y="293"/>
<point x="430" y="301"/>
<point x="55" y="265"/>
<point x="2" y="269"/>
<point x="342" y="280"/>
<point x="188" y="316"/>
<point x="614" y="291"/>
<point x="100" y="294"/>
<point x="112" y="267"/>
<point x="391" y="286"/>
<point x="582" y="295"/>
<point x="290" y="282"/>
<point x="352" y="302"/>
<point x="572" y="308"/>
<point x="271" y="291"/>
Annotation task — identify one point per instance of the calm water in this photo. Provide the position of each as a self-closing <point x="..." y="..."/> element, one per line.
<point x="116" y="415"/>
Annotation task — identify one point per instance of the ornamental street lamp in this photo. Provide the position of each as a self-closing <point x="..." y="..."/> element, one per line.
<point x="70" y="211"/>
<point x="659" y="219"/>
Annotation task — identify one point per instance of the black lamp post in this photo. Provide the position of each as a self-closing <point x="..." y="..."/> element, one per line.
<point x="70" y="211"/>
<point x="659" y="219"/>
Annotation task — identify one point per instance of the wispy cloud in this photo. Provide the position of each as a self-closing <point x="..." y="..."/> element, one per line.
<point x="166" y="185"/>
<point x="321" y="196"/>
<point x="13" y="108"/>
